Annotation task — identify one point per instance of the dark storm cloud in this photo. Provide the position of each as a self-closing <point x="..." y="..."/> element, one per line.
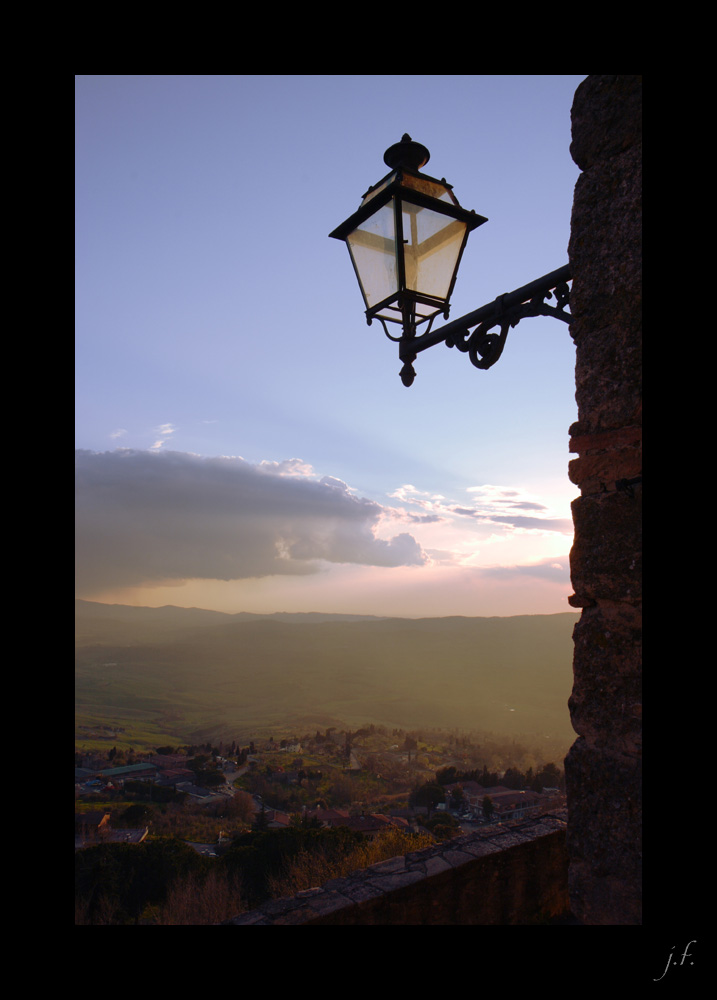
<point x="145" y="517"/>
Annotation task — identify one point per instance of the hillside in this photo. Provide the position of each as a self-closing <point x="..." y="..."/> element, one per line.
<point x="196" y="674"/>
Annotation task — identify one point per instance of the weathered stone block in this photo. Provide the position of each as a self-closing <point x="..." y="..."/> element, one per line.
<point x="605" y="458"/>
<point x="606" y="118"/>
<point x="605" y="874"/>
<point x="608" y="378"/>
<point x="606" y="557"/>
<point x="606" y="702"/>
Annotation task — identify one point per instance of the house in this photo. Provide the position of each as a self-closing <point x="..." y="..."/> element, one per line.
<point x="514" y="804"/>
<point x="130" y="772"/>
<point x="369" y="824"/>
<point x="285" y="777"/>
<point x="473" y="793"/>
<point x="175" y="776"/>
<point x="203" y="796"/>
<point x="277" y="820"/>
<point x="168" y="760"/>
<point x="328" y="817"/>
<point x="508" y="803"/>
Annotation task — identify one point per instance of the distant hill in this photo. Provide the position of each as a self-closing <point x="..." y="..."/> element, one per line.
<point x="103" y="620"/>
<point x="191" y="671"/>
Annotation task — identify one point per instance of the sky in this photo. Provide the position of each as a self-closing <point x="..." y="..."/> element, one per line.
<point x="243" y="439"/>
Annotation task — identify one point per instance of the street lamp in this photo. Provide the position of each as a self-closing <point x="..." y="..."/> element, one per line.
<point x="406" y="242"/>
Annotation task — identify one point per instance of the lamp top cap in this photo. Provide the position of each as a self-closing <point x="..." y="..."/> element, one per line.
<point x="406" y="153"/>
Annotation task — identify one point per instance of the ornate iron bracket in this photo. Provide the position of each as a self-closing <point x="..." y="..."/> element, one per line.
<point x="483" y="347"/>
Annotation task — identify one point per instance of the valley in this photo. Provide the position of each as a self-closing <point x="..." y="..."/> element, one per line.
<point x="154" y="675"/>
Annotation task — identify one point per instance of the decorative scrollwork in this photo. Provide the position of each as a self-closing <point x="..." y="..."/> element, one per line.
<point x="396" y="340"/>
<point x="485" y="348"/>
<point x="539" y="307"/>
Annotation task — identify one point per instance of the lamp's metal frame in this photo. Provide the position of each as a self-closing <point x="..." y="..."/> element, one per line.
<point x="407" y="299"/>
<point x="482" y="347"/>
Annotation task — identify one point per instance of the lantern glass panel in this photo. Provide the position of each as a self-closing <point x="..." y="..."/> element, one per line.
<point x="372" y="246"/>
<point x="432" y="248"/>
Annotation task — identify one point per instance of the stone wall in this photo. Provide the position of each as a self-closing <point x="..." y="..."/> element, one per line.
<point x="603" y="768"/>
<point x="514" y="874"/>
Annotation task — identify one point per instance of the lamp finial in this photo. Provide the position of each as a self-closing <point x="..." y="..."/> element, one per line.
<point x="406" y="153"/>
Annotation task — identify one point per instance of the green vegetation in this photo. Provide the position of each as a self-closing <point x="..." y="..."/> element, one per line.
<point x="166" y="882"/>
<point x="115" y="882"/>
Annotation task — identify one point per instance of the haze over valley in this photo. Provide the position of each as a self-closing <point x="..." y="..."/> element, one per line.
<point x="190" y="674"/>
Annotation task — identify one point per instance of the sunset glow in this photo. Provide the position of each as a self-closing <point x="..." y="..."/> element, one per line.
<point x="243" y="440"/>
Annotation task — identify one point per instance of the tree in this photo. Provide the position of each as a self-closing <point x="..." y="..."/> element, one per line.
<point x="513" y="778"/>
<point x="458" y="798"/>
<point x="261" y="822"/>
<point x="128" y="876"/>
<point x="342" y="790"/>
<point x="447" y="775"/>
<point x="429" y="795"/>
<point x="198" y="763"/>
<point x="488" y="778"/>
<point x="549" y="776"/>
<point x="136" y="815"/>
<point x="488" y="807"/>
<point x="241" y="807"/>
<point x="443" y="826"/>
<point x="210" y="779"/>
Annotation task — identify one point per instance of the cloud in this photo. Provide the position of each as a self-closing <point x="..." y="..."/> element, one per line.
<point x="563" y="525"/>
<point x="150" y="517"/>
<point x="493" y="506"/>
<point x="289" y="467"/>
<point x="165" y="430"/>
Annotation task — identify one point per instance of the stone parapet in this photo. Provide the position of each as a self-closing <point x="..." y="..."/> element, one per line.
<point x="513" y="874"/>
